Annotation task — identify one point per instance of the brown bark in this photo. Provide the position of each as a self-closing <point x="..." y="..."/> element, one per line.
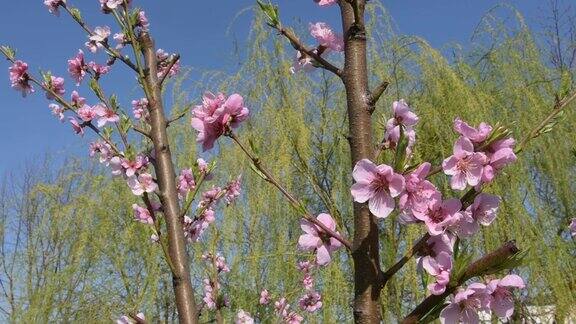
<point x="365" y="245"/>
<point x="165" y="174"/>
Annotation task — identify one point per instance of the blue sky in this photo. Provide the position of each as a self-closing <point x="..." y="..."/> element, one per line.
<point x="203" y="32"/>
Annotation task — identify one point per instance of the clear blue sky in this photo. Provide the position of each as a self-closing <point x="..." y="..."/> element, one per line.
<point x="197" y="30"/>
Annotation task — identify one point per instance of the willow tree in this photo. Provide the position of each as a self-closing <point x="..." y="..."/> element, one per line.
<point x="297" y="140"/>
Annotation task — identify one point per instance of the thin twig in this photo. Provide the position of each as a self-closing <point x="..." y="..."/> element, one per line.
<point x="270" y="178"/>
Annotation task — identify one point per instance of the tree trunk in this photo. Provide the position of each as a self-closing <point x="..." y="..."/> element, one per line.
<point x="365" y="245"/>
<point x="168" y="193"/>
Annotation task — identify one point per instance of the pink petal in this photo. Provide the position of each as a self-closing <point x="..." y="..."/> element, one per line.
<point x="327" y="220"/>
<point x="362" y="192"/>
<point x="396" y="185"/>
<point x="308" y="242"/>
<point x="322" y="255"/>
<point x="381" y="204"/>
<point x="463" y="147"/>
<point x="365" y="171"/>
<point x="512" y="281"/>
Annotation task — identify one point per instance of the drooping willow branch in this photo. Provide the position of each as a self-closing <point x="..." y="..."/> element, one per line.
<point x="293" y="201"/>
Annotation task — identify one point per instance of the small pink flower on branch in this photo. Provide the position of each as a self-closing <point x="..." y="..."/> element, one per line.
<point x="19" y="79"/>
<point x="264" y="297"/>
<point x="139" y="318"/>
<point x="98" y="69"/>
<point x="76" y="100"/>
<point x="56" y="84"/>
<point x="142" y="215"/>
<point x="164" y="61"/>
<point x="143" y="21"/>
<point x="326" y="37"/>
<point x="573" y="227"/>
<point x="185" y="183"/>
<point x="482" y="212"/>
<point x="78" y="129"/>
<point x="97" y="39"/>
<point x="502" y="299"/>
<point x="106" y="115"/>
<point x="324" y="3"/>
<point x="140" y="108"/>
<point x="142" y="183"/>
<point x="53" y="6"/>
<point x="465" y="166"/>
<point x="77" y="67"/>
<point x="439" y="267"/>
<point x="243" y="317"/>
<point x="87" y="113"/>
<point x="465" y="305"/>
<point x="302" y="62"/>
<point x="121" y="39"/>
<point x="131" y="167"/>
<point x="316" y="239"/>
<point x="57" y="111"/>
<point x="103" y="149"/>
<point x="216" y="113"/>
<point x="440" y="215"/>
<point x="311" y="302"/>
<point x="418" y="194"/>
<point x="378" y="185"/>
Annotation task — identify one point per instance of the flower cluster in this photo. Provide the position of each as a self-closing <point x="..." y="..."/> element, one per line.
<point x="19" y="78"/>
<point x="479" y="154"/>
<point x="215" y="115"/>
<point x="213" y="297"/>
<point x="164" y="61"/>
<point x="494" y="296"/>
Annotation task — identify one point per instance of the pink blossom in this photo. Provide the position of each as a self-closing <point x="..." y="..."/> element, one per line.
<point x="19" y="79"/>
<point x="78" y="129"/>
<point x="204" y="168"/>
<point x="210" y="197"/>
<point x="500" y="154"/>
<point x="327" y="37"/>
<point x="243" y="317"/>
<point x="107" y="5"/>
<point x="440" y="268"/>
<point x="378" y="185"/>
<point x="141" y="184"/>
<point x="281" y="306"/>
<point x="129" y="320"/>
<point x="215" y="114"/>
<point x="302" y="62"/>
<point x="97" y="38"/>
<point x="482" y="212"/>
<point x="121" y="39"/>
<point x="264" y="297"/>
<point x="218" y="261"/>
<point x="143" y="21"/>
<point x="131" y="167"/>
<point x="308" y="281"/>
<point x="440" y="215"/>
<point x="186" y="183"/>
<point x="106" y="115"/>
<point x="305" y="266"/>
<point x="164" y="60"/>
<point x="465" y="166"/>
<point x="77" y="67"/>
<point x="142" y="215"/>
<point x="478" y="135"/>
<point x="324" y="3"/>
<point x="502" y="301"/>
<point x="293" y="318"/>
<point x="154" y="238"/>
<point x="76" y="100"/>
<point x="140" y="108"/>
<point x="311" y="302"/>
<point x="116" y="166"/>
<point x="101" y="148"/>
<point x="98" y="69"/>
<point x="443" y="243"/>
<point x="53" y="6"/>
<point x="87" y="113"/>
<point x="573" y="227"/>
<point x="56" y="84"/>
<point x="315" y="238"/>
<point x="57" y="110"/>
<point x="465" y="305"/>
<point x="419" y="193"/>
<point x="210" y="289"/>
<point x="193" y="229"/>
<point x="233" y="190"/>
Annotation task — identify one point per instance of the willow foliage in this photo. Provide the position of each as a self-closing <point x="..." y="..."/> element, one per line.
<point x="97" y="262"/>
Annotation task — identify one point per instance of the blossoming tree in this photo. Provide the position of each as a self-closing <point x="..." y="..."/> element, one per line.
<point x="177" y="208"/>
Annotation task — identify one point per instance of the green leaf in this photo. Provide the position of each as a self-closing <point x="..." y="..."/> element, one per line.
<point x="9" y="52"/>
<point x="271" y="12"/>
<point x="76" y="13"/>
<point x="258" y="172"/>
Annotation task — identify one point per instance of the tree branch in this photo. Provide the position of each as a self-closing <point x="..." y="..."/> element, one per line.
<point x="295" y="203"/>
<point x="376" y="94"/>
<point x="295" y="42"/>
